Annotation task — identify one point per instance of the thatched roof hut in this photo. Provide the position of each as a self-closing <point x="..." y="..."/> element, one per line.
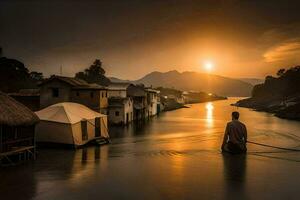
<point x="13" y="113"/>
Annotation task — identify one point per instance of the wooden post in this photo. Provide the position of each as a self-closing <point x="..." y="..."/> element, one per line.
<point x="0" y="144"/>
<point x="34" y="143"/>
<point x="1" y="139"/>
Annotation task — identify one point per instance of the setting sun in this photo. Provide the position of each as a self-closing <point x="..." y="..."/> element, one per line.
<point x="208" y="65"/>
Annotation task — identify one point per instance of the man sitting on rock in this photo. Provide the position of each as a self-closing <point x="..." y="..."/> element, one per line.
<point x="235" y="136"/>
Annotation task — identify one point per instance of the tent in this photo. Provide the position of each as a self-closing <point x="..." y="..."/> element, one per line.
<point x="70" y="123"/>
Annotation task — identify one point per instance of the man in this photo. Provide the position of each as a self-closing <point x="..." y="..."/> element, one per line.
<point x="235" y="136"/>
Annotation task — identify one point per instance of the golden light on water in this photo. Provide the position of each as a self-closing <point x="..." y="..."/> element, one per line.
<point x="209" y="114"/>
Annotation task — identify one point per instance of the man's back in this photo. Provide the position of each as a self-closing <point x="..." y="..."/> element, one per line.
<point x="237" y="132"/>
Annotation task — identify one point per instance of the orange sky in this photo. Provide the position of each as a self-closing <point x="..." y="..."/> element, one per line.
<point x="242" y="38"/>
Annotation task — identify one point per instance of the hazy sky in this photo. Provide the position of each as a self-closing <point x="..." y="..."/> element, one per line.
<point x="247" y="38"/>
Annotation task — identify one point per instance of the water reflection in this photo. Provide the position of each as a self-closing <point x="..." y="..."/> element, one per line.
<point x="173" y="156"/>
<point x="87" y="160"/>
<point x="235" y="175"/>
<point x="18" y="183"/>
<point x="209" y="114"/>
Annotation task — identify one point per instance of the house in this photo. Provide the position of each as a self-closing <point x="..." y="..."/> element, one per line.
<point x="152" y="101"/>
<point x="140" y="105"/>
<point x="119" y="89"/>
<point x="58" y="89"/>
<point x="121" y="102"/>
<point x="120" y="110"/>
<point x="28" y="97"/>
<point x="71" y="124"/>
<point x="17" y="138"/>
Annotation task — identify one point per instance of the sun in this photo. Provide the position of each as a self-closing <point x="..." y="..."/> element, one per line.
<point x="208" y="65"/>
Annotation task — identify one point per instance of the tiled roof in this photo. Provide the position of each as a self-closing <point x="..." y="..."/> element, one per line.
<point x="75" y="82"/>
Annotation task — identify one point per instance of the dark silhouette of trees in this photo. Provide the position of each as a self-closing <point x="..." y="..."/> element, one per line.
<point x="280" y="72"/>
<point x="285" y="85"/>
<point x="14" y="76"/>
<point x="36" y="76"/>
<point x="94" y="74"/>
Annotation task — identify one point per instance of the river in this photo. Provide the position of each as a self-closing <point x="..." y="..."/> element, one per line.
<point x="175" y="155"/>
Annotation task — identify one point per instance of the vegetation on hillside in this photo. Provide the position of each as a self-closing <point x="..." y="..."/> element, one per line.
<point x="14" y="75"/>
<point x="94" y="74"/>
<point x="279" y="95"/>
<point x="284" y="85"/>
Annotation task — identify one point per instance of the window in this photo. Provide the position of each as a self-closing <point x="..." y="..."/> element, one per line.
<point x="92" y="94"/>
<point x="117" y="113"/>
<point x="55" y="92"/>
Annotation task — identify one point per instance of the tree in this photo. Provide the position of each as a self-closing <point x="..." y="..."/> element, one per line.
<point x="36" y="76"/>
<point x="280" y="72"/>
<point x="94" y="74"/>
<point x="14" y="76"/>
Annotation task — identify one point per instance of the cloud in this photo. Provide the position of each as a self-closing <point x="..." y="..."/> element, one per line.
<point x="284" y="51"/>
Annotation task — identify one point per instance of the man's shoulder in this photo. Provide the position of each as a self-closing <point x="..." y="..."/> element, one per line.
<point x="235" y="122"/>
<point x="230" y="123"/>
<point x="242" y="123"/>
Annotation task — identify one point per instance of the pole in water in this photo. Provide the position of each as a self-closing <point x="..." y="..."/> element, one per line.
<point x="275" y="147"/>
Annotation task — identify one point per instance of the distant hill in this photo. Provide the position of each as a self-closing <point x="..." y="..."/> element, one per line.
<point x="198" y="82"/>
<point x="117" y="80"/>
<point x="252" y="81"/>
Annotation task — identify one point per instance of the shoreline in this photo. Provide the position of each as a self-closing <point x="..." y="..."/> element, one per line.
<point x="288" y="108"/>
<point x="179" y="106"/>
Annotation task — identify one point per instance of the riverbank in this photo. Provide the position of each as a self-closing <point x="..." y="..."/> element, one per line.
<point x="279" y="95"/>
<point x="173" y="105"/>
<point x="287" y="108"/>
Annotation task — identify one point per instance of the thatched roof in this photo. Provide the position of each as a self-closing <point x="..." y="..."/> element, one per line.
<point x="13" y="113"/>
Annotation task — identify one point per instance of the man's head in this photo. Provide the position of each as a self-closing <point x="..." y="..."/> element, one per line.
<point x="235" y="115"/>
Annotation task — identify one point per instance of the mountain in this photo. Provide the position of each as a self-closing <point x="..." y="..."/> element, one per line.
<point x="187" y="81"/>
<point x="252" y="81"/>
<point x="199" y="82"/>
<point x="117" y="80"/>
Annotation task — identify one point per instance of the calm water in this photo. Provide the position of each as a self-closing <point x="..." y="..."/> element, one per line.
<point x="174" y="156"/>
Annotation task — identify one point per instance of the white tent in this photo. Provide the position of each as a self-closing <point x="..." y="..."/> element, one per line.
<point x="70" y="123"/>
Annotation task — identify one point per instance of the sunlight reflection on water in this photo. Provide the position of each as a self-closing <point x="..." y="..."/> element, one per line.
<point x="209" y="114"/>
<point x="175" y="155"/>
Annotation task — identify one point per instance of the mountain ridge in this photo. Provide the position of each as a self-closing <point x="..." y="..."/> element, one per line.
<point x="189" y="80"/>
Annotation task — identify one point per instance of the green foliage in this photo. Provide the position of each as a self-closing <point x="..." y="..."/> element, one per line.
<point x="94" y="74"/>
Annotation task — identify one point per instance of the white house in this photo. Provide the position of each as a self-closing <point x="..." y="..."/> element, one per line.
<point x="118" y="89"/>
<point x="120" y="110"/>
